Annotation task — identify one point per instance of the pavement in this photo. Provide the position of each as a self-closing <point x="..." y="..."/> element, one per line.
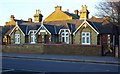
<point x="68" y="58"/>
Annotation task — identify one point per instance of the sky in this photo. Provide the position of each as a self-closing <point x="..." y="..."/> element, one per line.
<point x="24" y="9"/>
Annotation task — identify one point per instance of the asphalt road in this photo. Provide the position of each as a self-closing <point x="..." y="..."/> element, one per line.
<point x="35" y="65"/>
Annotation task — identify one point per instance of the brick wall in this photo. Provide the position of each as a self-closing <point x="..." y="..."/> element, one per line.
<point x="89" y="50"/>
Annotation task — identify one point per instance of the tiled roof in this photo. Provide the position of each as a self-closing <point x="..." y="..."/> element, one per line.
<point x="23" y="28"/>
<point x="52" y="28"/>
<point x="58" y="28"/>
<point x="96" y="25"/>
<point x="74" y="16"/>
<point x="30" y="23"/>
<point x="95" y="19"/>
<point x="5" y="29"/>
<point x="27" y="28"/>
<point x="33" y="27"/>
<point x="108" y="28"/>
<point x="20" y="21"/>
<point x="99" y="24"/>
<point x="77" y="22"/>
<point x="71" y="27"/>
<point x="8" y="32"/>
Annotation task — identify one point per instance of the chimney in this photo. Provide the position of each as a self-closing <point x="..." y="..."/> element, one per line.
<point x="84" y="13"/>
<point x="6" y="23"/>
<point x="57" y="8"/>
<point x="67" y="10"/>
<point x="38" y="16"/>
<point x="12" y="17"/>
<point x="29" y="19"/>
<point x="76" y="12"/>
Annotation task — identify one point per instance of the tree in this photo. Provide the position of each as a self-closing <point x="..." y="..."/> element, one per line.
<point x="110" y="8"/>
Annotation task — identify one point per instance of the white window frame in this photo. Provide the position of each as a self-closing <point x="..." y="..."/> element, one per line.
<point x="85" y="37"/>
<point x="17" y="38"/>
<point x="65" y="35"/>
<point x="33" y="37"/>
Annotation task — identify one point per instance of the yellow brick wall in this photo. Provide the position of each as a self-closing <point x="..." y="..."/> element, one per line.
<point x="83" y="15"/>
<point x="83" y="12"/>
<point x="77" y="38"/>
<point x="93" y="38"/>
<point x="93" y="35"/>
<point x="22" y="38"/>
<point x="10" y="23"/>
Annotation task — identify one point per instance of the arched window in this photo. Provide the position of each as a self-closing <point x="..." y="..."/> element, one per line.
<point x="17" y="38"/>
<point x="33" y="37"/>
<point x="65" y="36"/>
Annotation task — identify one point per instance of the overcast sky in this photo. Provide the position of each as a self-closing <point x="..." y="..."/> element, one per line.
<point x="24" y="9"/>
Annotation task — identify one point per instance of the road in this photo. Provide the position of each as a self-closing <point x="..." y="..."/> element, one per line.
<point x="37" y="65"/>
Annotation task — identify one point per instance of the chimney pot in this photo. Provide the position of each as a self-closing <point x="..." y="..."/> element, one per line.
<point x="29" y="19"/>
<point x="76" y="12"/>
<point x="58" y="8"/>
<point x="12" y="17"/>
<point x="67" y="10"/>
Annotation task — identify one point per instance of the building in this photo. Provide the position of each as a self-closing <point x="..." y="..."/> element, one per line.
<point x="88" y="31"/>
<point x="63" y="15"/>
<point x="24" y="28"/>
<point x="62" y="27"/>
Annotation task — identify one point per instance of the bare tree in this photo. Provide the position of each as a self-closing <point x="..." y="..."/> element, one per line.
<point x="111" y="9"/>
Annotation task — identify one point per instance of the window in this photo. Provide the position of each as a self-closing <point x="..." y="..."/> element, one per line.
<point x="17" y="38"/>
<point x="65" y="36"/>
<point x="33" y="37"/>
<point x="85" y="37"/>
<point x="67" y="39"/>
<point x="63" y="39"/>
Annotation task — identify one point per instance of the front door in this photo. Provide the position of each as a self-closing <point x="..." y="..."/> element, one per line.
<point x="46" y="39"/>
<point x="39" y="39"/>
<point x="17" y="38"/>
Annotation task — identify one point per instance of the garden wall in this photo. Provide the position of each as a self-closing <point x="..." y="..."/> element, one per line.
<point x="89" y="50"/>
